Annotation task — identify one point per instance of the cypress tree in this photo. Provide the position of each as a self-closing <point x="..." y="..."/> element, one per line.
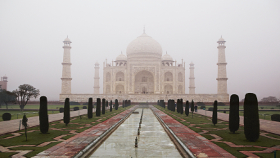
<point x="234" y="113"/>
<point x="187" y="108"/>
<point x="182" y="106"/>
<point x="178" y="104"/>
<point x="106" y="103"/>
<point x="43" y="115"/>
<point x="103" y="106"/>
<point x="214" y="114"/>
<point x="116" y="104"/>
<point x="89" y="111"/>
<point x="111" y="105"/>
<point x="98" y="108"/>
<point x="66" y="117"/>
<point x="173" y="105"/>
<point x="123" y="104"/>
<point x="192" y="108"/>
<point x="251" y="117"/>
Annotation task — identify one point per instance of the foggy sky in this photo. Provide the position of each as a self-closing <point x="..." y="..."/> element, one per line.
<point x="31" y="35"/>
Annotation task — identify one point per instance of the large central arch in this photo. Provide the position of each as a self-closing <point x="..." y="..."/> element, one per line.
<point x="144" y="83"/>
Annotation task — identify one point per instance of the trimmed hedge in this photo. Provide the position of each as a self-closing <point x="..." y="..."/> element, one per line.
<point x="43" y="115"/>
<point x="89" y="111"/>
<point x="251" y="117"/>
<point x="66" y="117"/>
<point x="6" y="116"/>
<point x="275" y="117"/>
<point x="98" y="108"/>
<point x="234" y="113"/>
<point x="215" y="113"/>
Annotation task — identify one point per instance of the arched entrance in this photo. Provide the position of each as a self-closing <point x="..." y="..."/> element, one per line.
<point x="144" y="83"/>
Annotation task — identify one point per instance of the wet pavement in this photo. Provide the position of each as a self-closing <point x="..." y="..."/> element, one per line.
<point x="152" y="141"/>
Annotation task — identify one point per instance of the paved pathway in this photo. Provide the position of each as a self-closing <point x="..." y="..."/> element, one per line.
<point x="198" y="145"/>
<point x="265" y="125"/>
<point x="73" y="145"/>
<point x="13" y="125"/>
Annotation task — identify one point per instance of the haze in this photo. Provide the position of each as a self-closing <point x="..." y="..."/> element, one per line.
<point x="31" y="35"/>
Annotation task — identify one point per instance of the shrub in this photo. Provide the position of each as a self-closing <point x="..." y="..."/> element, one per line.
<point x="43" y="115"/>
<point x="76" y="108"/>
<point x="89" y="111"/>
<point x="275" y="117"/>
<point x="272" y="108"/>
<point x="221" y="104"/>
<point x="192" y="106"/>
<point x="98" y="104"/>
<point x="6" y="116"/>
<point x="214" y="114"/>
<point x="74" y="103"/>
<point x="85" y="107"/>
<point x="187" y="108"/>
<point x="251" y="117"/>
<point x="61" y="110"/>
<point x="210" y="109"/>
<point x="261" y="107"/>
<point x="202" y="107"/>
<point x="234" y="113"/>
<point x="200" y="104"/>
<point x="66" y="117"/>
<point x="106" y="103"/>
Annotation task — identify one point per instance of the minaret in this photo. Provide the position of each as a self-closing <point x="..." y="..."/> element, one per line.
<point x="222" y="73"/>
<point x="96" y="78"/>
<point x="66" y="68"/>
<point x="192" y="85"/>
<point x="3" y="82"/>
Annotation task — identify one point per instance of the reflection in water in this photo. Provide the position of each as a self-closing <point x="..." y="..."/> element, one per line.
<point x="152" y="142"/>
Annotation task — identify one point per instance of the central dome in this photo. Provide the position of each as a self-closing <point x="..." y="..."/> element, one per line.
<point x="144" y="44"/>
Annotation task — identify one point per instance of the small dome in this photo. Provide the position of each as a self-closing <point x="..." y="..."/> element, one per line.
<point x="167" y="57"/>
<point x="191" y="63"/>
<point x="67" y="39"/>
<point x="121" y="57"/>
<point x="144" y="44"/>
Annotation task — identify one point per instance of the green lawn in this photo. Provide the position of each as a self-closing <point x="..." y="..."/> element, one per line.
<point x="262" y="114"/>
<point x="19" y="114"/>
<point x="31" y="106"/>
<point x="36" y="137"/>
<point x="221" y="129"/>
<point x="241" y="107"/>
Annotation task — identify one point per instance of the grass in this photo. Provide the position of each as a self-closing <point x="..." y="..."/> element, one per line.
<point x="266" y="115"/>
<point x="221" y="129"/>
<point x="32" y="106"/>
<point x="19" y="114"/>
<point x="36" y="137"/>
<point x="241" y="107"/>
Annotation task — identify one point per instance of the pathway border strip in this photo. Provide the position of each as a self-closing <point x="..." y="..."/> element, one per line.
<point x="77" y="143"/>
<point x="198" y="145"/>
<point x="189" y="153"/>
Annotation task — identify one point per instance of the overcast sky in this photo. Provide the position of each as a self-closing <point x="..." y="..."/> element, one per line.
<point x="31" y="35"/>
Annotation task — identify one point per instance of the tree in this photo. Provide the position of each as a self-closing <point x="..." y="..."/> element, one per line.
<point x="270" y="99"/>
<point x="43" y="115"/>
<point x="89" y="112"/>
<point x="116" y="104"/>
<point x="66" y="117"/>
<point x="103" y="106"/>
<point x="251" y="117"/>
<point x="24" y="93"/>
<point x="234" y="113"/>
<point x="187" y="108"/>
<point x="192" y="107"/>
<point x="215" y="114"/>
<point x="98" y="104"/>
<point x="24" y="123"/>
<point x="7" y="97"/>
<point x="111" y="103"/>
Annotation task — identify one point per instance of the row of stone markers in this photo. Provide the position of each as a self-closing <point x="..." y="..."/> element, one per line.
<point x="136" y="140"/>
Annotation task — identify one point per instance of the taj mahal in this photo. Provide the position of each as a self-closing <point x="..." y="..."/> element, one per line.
<point x="145" y="74"/>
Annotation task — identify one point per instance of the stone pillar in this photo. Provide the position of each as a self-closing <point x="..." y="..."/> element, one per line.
<point x="192" y="84"/>
<point x="222" y="73"/>
<point x="66" y="68"/>
<point x="96" y="79"/>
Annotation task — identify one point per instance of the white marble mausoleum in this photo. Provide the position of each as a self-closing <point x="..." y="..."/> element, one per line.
<point x="144" y="74"/>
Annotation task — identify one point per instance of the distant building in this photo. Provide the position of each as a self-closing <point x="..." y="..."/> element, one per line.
<point x="3" y="82"/>
<point x="145" y="74"/>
